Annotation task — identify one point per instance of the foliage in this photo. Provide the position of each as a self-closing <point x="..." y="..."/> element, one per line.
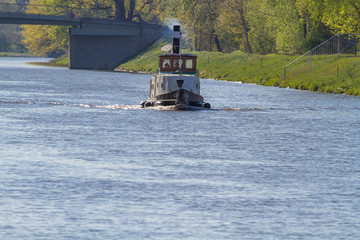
<point x="290" y="36"/>
<point x="263" y="30"/>
<point x="41" y="39"/>
<point x="11" y="39"/>
<point x="341" y="16"/>
<point x="10" y="35"/>
<point x="259" y="26"/>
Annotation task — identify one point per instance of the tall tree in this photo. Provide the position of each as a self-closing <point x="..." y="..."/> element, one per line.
<point x="262" y="19"/>
<point x="290" y="36"/>
<point x="236" y="13"/>
<point x="200" y="20"/>
<point x="342" y="16"/>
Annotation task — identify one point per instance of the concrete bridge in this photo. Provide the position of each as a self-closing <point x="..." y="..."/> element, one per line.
<point x="96" y="43"/>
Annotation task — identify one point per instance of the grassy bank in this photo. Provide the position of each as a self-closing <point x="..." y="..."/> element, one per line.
<point x="13" y="54"/>
<point x="61" y="61"/>
<point x="340" y="76"/>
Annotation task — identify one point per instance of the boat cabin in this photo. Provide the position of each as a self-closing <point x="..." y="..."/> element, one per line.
<point x="175" y="62"/>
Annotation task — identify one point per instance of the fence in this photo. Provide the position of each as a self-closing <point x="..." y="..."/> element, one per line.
<point x="96" y="11"/>
<point x="330" y="50"/>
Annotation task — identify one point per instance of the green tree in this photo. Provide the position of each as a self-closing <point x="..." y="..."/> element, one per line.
<point x="200" y="19"/>
<point x="290" y="36"/>
<point x="342" y="16"/>
<point x="10" y="35"/>
<point x="236" y="17"/>
<point x="262" y="19"/>
<point x="42" y="40"/>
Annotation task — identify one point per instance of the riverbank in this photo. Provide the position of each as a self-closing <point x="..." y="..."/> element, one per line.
<point x="61" y="61"/>
<point x="341" y="76"/>
<point x="13" y="54"/>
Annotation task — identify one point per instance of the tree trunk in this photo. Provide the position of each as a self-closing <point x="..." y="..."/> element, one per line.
<point x="247" y="42"/>
<point x="120" y="10"/>
<point x="246" y="30"/>
<point x="305" y="30"/>
<point x="196" y="44"/>
<point x="130" y="14"/>
<point x="244" y="25"/>
<point x="217" y="42"/>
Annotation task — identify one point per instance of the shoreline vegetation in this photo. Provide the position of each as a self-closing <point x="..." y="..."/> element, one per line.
<point x="14" y="54"/>
<point x="341" y="76"/>
<point x="61" y="61"/>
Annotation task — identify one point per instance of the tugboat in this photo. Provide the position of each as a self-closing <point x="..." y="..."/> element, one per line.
<point x="177" y="82"/>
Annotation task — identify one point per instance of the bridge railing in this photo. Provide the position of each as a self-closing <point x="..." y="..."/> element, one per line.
<point x="97" y="12"/>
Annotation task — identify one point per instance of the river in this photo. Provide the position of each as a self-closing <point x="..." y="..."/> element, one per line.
<point x="80" y="160"/>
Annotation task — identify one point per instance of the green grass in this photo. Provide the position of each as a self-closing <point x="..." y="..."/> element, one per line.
<point x="14" y="54"/>
<point x="236" y="66"/>
<point x="145" y="62"/>
<point x="61" y="61"/>
<point x="265" y="70"/>
<point x="341" y="76"/>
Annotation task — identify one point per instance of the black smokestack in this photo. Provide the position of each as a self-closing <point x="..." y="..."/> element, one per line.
<point x="176" y="39"/>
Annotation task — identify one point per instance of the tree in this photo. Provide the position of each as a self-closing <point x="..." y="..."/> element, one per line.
<point x="200" y="19"/>
<point x="10" y="35"/>
<point x="262" y="19"/>
<point x="141" y="10"/>
<point x="290" y="36"/>
<point x="131" y="10"/>
<point x="236" y="11"/>
<point x="314" y="30"/>
<point x="342" y="16"/>
<point x="42" y="40"/>
<point x="120" y="10"/>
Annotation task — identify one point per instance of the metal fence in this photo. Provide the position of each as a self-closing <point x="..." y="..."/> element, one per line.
<point x="97" y="11"/>
<point x="328" y="51"/>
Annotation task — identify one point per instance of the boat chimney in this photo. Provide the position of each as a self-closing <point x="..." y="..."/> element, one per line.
<point x="176" y="39"/>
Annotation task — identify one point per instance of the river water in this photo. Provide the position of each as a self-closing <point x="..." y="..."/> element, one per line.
<point x="80" y="160"/>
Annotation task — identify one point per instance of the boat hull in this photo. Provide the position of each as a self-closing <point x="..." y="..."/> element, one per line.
<point x="180" y="99"/>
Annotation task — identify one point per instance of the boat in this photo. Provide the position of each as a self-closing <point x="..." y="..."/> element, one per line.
<point x="176" y="83"/>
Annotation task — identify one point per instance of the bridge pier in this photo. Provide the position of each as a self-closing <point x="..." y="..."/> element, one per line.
<point x="104" y="47"/>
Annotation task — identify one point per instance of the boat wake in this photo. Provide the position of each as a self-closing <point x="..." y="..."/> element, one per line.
<point x="244" y="109"/>
<point x="173" y="108"/>
<point x="115" y="106"/>
<point x="17" y="102"/>
<point x="133" y="107"/>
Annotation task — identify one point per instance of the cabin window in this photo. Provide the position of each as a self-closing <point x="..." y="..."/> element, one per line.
<point x="177" y="63"/>
<point x="166" y="63"/>
<point x="189" y="64"/>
